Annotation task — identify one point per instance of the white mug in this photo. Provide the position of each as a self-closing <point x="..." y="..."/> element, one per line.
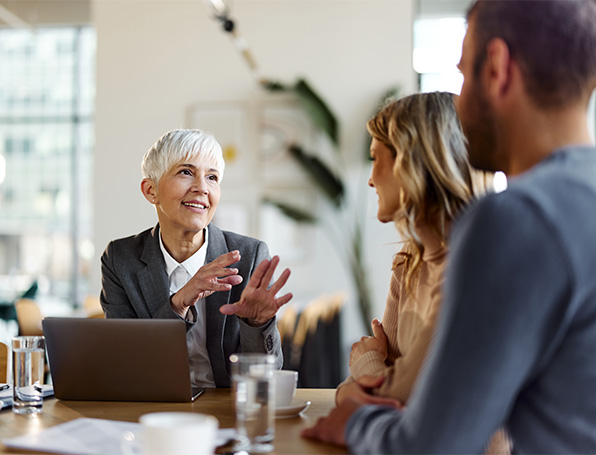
<point x="174" y="433"/>
<point x="285" y="386"/>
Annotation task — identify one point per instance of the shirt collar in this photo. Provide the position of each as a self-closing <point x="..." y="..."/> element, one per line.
<point x="192" y="264"/>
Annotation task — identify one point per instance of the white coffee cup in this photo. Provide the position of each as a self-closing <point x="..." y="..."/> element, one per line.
<point x="177" y="433"/>
<point x="285" y="386"/>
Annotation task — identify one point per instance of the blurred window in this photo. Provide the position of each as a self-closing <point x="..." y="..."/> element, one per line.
<point x="437" y="51"/>
<point x="47" y="91"/>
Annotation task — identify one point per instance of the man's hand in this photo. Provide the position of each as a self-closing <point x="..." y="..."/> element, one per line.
<point x="333" y="427"/>
<point x="212" y="277"/>
<point x="377" y="342"/>
<point x="361" y="390"/>
<point x="258" y="303"/>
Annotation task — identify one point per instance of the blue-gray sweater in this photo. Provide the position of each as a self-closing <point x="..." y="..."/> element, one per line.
<point x="516" y="341"/>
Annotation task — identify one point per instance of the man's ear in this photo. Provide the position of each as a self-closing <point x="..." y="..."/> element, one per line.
<point x="498" y="68"/>
<point x="149" y="190"/>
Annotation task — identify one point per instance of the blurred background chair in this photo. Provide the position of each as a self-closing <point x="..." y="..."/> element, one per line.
<point x="286" y="324"/>
<point x="311" y="341"/>
<point x="29" y="317"/>
<point x="92" y="307"/>
<point x="9" y="324"/>
<point x="3" y="362"/>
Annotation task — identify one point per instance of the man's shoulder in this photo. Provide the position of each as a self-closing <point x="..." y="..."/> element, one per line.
<point x="560" y="189"/>
<point x="566" y="168"/>
<point x="549" y="186"/>
<point x="553" y="202"/>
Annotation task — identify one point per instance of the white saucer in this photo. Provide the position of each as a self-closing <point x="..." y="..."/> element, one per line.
<point x="293" y="409"/>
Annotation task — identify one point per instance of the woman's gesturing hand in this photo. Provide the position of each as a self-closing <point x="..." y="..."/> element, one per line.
<point x="258" y="303"/>
<point x="212" y="277"/>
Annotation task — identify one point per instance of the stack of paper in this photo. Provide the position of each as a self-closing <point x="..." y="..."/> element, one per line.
<point x="6" y="394"/>
<point x="86" y="436"/>
<point x="80" y="436"/>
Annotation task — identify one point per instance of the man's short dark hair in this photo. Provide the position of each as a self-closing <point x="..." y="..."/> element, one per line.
<point x="553" y="41"/>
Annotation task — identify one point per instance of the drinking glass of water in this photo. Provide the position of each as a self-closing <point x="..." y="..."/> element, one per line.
<point x="254" y="390"/>
<point x="28" y="354"/>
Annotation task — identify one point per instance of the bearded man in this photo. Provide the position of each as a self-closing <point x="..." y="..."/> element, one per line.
<point x="515" y="342"/>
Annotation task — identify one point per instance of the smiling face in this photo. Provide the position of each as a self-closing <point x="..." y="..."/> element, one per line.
<point x="186" y="197"/>
<point x="382" y="178"/>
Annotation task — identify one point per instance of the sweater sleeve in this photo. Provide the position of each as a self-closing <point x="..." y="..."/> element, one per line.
<point x="372" y="362"/>
<point x="400" y="377"/>
<point x="403" y="365"/>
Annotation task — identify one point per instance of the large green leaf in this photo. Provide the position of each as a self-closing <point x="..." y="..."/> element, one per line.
<point x="318" y="110"/>
<point x="296" y="214"/>
<point x="320" y="174"/>
<point x="274" y="86"/>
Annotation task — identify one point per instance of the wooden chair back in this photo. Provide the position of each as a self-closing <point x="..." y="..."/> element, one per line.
<point x="322" y="309"/>
<point x="93" y="307"/>
<point x="4" y="352"/>
<point x="29" y="317"/>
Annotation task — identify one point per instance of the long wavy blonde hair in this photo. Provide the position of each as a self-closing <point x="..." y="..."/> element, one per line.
<point x="431" y="161"/>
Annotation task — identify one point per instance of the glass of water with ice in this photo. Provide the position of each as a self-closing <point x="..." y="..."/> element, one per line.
<point x="254" y="390"/>
<point x="28" y="355"/>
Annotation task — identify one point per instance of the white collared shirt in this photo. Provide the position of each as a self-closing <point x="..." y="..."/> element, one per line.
<point x="201" y="374"/>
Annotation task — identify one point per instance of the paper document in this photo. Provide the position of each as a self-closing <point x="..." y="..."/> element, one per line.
<point x="6" y="394"/>
<point x="86" y="436"/>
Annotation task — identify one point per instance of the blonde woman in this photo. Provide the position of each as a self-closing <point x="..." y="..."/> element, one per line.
<point x="423" y="181"/>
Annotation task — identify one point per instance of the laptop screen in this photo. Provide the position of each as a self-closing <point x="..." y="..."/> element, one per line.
<point x="118" y="359"/>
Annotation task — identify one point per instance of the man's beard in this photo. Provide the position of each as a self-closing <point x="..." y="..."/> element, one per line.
<point x="479" y="128"/>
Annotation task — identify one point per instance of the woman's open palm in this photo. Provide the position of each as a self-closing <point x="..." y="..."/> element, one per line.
<point x="258" y="302"/>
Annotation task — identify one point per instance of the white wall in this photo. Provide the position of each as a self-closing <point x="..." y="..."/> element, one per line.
<point x="158" y="57"/>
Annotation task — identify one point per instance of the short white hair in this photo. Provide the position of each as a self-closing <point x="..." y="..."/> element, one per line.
<point x="178" y="145"/>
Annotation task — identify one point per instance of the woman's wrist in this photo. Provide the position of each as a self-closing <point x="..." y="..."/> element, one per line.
<point x="255" y="323"/>
<point x="178" y="305"/>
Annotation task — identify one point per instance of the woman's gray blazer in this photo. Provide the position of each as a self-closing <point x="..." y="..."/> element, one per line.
<point x="135" y="285"/>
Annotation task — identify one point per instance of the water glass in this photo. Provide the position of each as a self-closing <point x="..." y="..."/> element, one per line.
<point x="28" y="355"/>
<point x="254" y="389"/>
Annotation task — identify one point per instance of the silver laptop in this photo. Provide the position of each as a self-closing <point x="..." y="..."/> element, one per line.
<point x="118" y="359"/>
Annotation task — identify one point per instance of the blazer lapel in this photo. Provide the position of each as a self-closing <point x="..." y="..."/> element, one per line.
<point x="153" y="279"/>
<point x="215" y="322"/>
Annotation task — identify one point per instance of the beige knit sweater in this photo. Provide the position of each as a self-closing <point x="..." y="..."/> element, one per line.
<point x="409" y="321"/>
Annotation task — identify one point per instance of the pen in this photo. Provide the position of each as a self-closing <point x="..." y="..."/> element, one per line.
<point x="4" y="387"/>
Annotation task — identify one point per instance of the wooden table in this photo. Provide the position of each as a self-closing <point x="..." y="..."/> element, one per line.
<point x="217" y="402"/>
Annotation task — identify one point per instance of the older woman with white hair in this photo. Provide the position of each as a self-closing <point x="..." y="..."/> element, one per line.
<point x="181" y="268"/>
